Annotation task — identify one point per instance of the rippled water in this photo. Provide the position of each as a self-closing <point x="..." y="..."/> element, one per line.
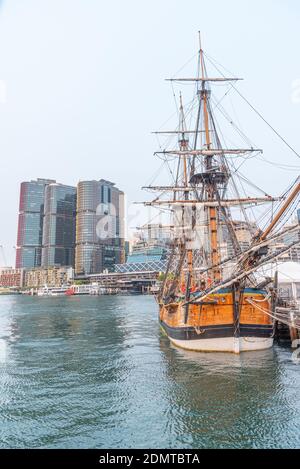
<point x="96" y="372"/>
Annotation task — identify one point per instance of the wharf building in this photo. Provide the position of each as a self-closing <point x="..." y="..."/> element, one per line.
<point x="54" y="276"/>
<point x="11" y="278"/>
<point x="100" y="240"/>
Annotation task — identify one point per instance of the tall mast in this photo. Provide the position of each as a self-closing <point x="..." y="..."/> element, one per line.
<point x="200" y="194"/>
<point x="183" y="144"/>
<point x="210" y="187"/>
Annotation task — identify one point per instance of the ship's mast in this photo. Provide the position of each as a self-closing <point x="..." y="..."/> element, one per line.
<point x="210" y="187"/>
<point x="200" y="187"/>
<point x="183" y="145"/>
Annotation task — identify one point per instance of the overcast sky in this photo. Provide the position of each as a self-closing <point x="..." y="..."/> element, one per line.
<point x="82" y="86"/>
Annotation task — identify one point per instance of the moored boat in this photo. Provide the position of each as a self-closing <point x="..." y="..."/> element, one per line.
<point x="85" y="289"/>
<point x="211" y="326"/>
<point x="212" y="297"/>
<point x="52" y="291"/>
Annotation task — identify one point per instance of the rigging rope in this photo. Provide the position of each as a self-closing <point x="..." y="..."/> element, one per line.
<point x="281" y="317"/>
<point x="211" y="60"/>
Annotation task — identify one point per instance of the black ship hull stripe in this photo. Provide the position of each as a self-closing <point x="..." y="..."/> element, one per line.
<point x="215" y="332"/>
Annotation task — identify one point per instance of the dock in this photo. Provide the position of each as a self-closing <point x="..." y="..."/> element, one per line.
<point x="287" y="324"/>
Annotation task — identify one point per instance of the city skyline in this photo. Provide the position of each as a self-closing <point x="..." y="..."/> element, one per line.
<point x="68" y="111"/>
<point x="82" y="227"/>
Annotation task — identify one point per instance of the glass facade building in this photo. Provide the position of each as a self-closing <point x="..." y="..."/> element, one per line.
<point x="99" y="227"/>
<point x="145" y="259"/>
<point x="30" y="223"/>
<point x="59" y="226"/>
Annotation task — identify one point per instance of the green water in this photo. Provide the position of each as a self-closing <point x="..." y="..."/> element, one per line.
<point x="96" y="372"/>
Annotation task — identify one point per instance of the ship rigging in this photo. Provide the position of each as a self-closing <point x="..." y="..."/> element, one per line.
<point x="212" y="299"/>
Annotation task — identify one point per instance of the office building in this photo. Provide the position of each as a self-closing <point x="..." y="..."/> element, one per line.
<point x="99" y="227"/>
<point x="30" y="223"/>
<point x="59" y="225"/>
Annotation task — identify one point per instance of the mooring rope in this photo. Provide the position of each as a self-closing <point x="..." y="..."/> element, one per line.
<point x="282" y="317"/>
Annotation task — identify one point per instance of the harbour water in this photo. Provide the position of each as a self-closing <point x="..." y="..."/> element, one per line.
<point x="97" y="372"/>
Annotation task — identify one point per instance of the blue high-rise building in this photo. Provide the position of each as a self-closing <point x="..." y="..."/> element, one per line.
<point x="59" y="226"/>
<point x="30" y="224"/>
<point x="99" y="227"/>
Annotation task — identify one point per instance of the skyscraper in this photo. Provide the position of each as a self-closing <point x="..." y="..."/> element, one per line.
<point x="59" y="225"/>
<point x="30" y="223"/>
<point x="99" y="226"/>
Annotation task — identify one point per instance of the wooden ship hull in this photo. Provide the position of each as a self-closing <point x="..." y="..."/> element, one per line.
<point x="214" y="326"/>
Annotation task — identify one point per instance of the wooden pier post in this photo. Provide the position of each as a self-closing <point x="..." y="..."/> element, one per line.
<point x="293" y="331"/>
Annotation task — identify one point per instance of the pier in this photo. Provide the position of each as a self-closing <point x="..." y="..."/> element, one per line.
<point x="287" y="324"/>
<point x="129" y="282"/>
<point x="287" y="307"/>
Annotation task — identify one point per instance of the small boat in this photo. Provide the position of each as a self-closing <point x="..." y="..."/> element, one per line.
<point x="44" y="291"/>
<point x="52" y="291"/>
<point x="61" y="291"/>
<point x="90" y="289"/>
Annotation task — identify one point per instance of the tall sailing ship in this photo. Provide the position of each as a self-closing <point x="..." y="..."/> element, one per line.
<point x="213" y="296"/>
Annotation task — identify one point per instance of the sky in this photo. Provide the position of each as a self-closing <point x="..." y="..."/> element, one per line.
<point x="82" y="85"/>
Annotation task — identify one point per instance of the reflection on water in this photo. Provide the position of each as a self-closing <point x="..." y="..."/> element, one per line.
<point x="98" y="372"/>
<point x="231" y="401"/>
